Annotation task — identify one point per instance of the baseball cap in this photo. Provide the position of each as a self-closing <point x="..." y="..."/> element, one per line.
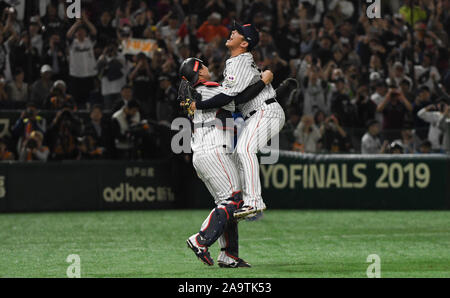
<point x="251" y="35"/>
<point x="374" y="76"/>
<point x="59" y="82"/>
<point x="46" y="68"/>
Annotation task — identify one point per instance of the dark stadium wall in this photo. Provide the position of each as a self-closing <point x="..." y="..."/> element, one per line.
<point x="297" y="181"/>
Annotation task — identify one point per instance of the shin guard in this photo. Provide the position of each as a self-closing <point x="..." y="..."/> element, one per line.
<point x="219" y="218"/>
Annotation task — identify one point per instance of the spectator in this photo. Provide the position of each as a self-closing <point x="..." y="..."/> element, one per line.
<point x="407" y="140"/>
<point x="126" y="95"/>
<point x="287" y="138"/>
<point x="4" y="100"/>
<point x="395" y="148"/>
<point x="52" y="22"/>
<point x="394" y="107"/>
<point x="89" y="149"/>
<point x="82" y="62"/>
<point x="18" y="90"/>
<point x="378" y="97"/>
<point x="422" y="100"/>
<point x="307" y="135"/>
<point x="5" y="154"/>
<point x="122" y="122"/>
<point x="54" y="55"/>
<point x="433" y="114"/>
<point x="370" y="143"/>
<point x="365" y="107"/>
<point x="6" y="47"/>
<point x="315" y="92"/>
<point x="25" y="56"/>
<point x="418" y="13"/>
<point x="166" y="105"/>
<point x="59" y="98"/>
<point x="40" y="90"/>
<point x="62" y="135"/>
<point x="98" y="132"/>
<point x="397" y="75"/>
<point x="427" y="72"/>
<point x="32" y="149"/>
<point x="143" y="81"/>
<point x="334" y="138"/>
<point x="342" y="107"/>
<point x="113" y="69"/>
<point x="28" y="122"/>
<point x="425" y="147"/>
<point x="212" y="29"/>
<point x="105" y="31"/>
<point x="35" y="35"/>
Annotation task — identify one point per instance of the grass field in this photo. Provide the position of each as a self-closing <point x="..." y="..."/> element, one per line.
<point x="283" y="244"/>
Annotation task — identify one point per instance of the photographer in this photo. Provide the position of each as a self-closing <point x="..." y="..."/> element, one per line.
<point x="89" y="149"/>
<point x="62" y="135"/>
<point x="143" y="81"/>
<point x="307" y="135"/>
<point x="32" y="149"/>
<point x="334" y="138"/>
<point x="29" y="121"/>
<point x="365" y="107"/>
<point x="127" y="130"/>
<point x="59" y="98"/>
<point x="54" y="55"/>
<point x="112" y="67"/>
<point x="394" y="108"/>
<point x="434" y="114"/>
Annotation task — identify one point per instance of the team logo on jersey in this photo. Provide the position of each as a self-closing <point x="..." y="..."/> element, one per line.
<point x="230" y="80"/>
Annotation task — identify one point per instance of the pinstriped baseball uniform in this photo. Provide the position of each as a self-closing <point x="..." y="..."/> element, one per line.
<point x="215" y="166"/>
<point x="265" y="120"/>
<point x="211" y="161"/>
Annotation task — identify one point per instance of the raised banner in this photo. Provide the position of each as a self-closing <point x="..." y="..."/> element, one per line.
<point x="134" y="46"/>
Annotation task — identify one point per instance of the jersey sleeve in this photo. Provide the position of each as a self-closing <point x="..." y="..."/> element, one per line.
<point x="238" y="76"/>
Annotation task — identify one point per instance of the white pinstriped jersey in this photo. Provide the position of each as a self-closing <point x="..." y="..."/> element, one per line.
<point x="241" y="72"/>
<point x="209" y="137"/>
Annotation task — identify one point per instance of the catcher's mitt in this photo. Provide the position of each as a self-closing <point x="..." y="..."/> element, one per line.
<point x="186" y="96"/>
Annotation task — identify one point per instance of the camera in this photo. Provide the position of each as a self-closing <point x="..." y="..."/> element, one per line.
<point x="139" y="129"/>
<point x="32" y="144"/>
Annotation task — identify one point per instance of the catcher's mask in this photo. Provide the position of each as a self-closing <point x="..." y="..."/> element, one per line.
<point x="189" y="69"/>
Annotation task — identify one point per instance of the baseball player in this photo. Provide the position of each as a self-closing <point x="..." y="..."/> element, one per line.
<point x="263" y="115"/>
<point x="215" y="167"/>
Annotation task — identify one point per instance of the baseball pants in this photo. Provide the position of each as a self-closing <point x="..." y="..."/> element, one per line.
<point x="258" y="130"/>
<point x="217" y="170"/>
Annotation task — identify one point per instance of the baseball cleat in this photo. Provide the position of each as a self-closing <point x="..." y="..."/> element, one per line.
<point x="240" y="263"/>
<point x="201" y="252"/>
<point x="246" y="211"/>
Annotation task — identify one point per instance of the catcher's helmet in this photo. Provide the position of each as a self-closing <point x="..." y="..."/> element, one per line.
<point x="189" y="69"/>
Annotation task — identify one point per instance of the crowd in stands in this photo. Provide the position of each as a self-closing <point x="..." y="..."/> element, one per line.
<point x="358" y="84"/>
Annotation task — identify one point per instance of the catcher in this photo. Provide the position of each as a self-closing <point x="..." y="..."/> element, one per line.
<point x="213" y="163"/>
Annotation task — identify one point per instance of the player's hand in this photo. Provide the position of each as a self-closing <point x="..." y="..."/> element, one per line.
<point x="267" y="77"/>
<point x="193" y="106"/>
